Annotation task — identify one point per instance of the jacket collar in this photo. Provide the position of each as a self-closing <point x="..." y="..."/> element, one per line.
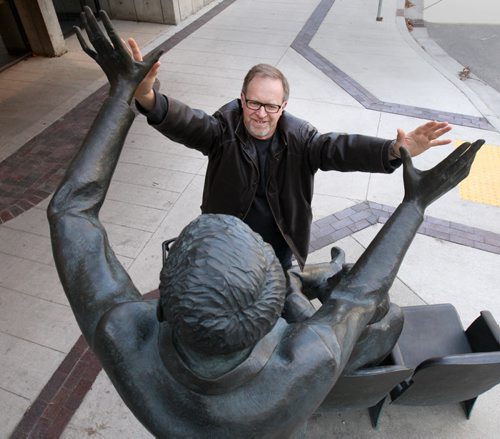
<point x="245" y="140"/>
<point x="241" y="374"/>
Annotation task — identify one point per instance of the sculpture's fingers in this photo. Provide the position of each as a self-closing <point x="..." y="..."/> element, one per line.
<point x="410" y="174"/>
<point x="408" y="168"/>
<point x="476" y="146"/>
<point x="337" y="256"/>
<point x="458" y="174"/>
<point x="458" y="152"/>
<point x="83" y="43"/>
<point x="112" y="34"/>
<point x="153" y="57"/>
<point x="462" y="166"/>
<point x="94" y="32"/>
<point x="449" y="161"/>
<point x="469" y="155"/>
<point x="405" y="157"/>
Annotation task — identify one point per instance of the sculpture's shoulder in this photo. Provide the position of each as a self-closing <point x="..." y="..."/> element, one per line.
<point x="127" y="326"/>
<point x="311" y="337"/>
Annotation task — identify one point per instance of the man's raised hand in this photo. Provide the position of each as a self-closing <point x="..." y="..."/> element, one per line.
<point x="422" y="138"/>
<point x="144" y="92"/>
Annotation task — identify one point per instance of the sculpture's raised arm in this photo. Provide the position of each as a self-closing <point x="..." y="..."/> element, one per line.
<point x="378" y="266"/>
<point x="91" y="275"/>
<point x="353" y="302"/>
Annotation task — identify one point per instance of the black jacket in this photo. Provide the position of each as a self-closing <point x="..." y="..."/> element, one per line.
<point x="297" y="152"/>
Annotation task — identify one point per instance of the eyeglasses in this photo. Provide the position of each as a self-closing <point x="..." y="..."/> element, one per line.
<point x="255" y="105"/>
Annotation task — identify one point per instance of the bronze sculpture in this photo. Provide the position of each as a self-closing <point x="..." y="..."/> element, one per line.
<point x="213" y="358"/>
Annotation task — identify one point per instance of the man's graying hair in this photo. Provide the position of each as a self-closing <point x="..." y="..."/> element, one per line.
<point x="221" y="288"/>
<point x="266" y="71"/>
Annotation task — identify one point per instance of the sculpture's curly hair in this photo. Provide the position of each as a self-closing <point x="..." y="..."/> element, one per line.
<point x="221" y="288"/>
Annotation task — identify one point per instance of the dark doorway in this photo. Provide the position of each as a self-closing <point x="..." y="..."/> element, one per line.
<point x="13" y="42"/>
<point x="68" y="13"/>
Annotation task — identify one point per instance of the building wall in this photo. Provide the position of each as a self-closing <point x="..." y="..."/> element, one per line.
<point x="154" y="11"/>
<point x="43" y="31"/>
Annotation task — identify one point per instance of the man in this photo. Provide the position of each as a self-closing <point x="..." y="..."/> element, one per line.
<point x="213" y="358"/>
<point x="262" y="160"/>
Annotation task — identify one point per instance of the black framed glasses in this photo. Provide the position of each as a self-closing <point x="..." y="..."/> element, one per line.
<point x="255" y="105"/>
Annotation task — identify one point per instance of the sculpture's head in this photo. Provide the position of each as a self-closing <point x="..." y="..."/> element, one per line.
<point x="221" y="288"/>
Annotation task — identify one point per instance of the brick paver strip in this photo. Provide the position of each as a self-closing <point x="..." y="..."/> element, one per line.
<point x="364" y="214"/>
<point x="33" y="172"/>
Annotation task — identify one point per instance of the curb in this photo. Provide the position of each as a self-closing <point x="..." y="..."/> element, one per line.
<point x="485" y="98"/>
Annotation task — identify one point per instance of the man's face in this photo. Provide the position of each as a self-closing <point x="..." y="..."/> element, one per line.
<point x="260" y="123"/>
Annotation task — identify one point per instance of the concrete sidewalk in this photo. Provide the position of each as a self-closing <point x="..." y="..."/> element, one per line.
<point x="347" y="73"/>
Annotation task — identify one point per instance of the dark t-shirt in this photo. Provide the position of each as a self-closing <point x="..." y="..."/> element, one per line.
<point x="260" y="218"/>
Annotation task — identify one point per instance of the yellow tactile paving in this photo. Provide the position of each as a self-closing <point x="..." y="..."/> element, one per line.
<point x="483" y="183"/>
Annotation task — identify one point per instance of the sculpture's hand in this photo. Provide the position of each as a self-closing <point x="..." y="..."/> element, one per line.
<point x="123" y="72"/>
<point x="424" y="187"/>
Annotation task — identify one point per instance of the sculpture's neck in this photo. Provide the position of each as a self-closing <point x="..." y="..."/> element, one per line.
<point x="203" y="365"/>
